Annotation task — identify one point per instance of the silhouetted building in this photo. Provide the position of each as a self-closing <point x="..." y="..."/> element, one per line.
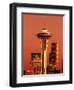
<point x="36" y="63"/>
<point x="53" y="57"/>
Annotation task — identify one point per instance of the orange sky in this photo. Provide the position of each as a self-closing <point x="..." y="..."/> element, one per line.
<point x="32" y="24"/>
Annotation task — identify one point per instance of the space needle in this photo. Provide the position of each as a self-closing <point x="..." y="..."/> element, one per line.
<point x="44" y="35"/>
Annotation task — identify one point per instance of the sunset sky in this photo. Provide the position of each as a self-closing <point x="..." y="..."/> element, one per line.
<point x="32" y="24"/>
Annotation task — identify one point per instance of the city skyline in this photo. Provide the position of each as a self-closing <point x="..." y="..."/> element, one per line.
<point x="32" y="24"/>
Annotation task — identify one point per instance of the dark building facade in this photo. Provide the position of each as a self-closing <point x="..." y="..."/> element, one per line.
<point x="53" y="56"/>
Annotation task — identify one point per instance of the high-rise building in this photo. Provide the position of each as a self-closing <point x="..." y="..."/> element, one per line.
<point x="53" y="59"/>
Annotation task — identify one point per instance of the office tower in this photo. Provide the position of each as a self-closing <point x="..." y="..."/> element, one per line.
<point x="53" y="59"/>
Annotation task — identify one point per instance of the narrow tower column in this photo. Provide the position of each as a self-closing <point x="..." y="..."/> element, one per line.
<point x="44" y="56"/>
